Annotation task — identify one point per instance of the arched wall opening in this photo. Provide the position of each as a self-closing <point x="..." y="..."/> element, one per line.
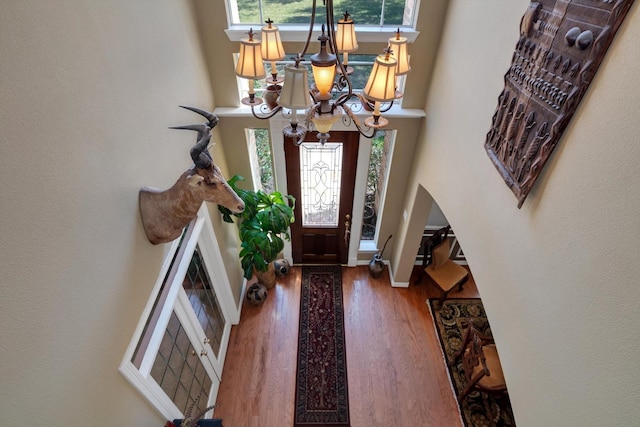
<point x="403" y="259"/>
<point x="422" y="220"/>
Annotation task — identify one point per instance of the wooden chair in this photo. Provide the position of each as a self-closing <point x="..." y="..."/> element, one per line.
<point x="445" y="273"/>
<point x="480" y="362"/>
<point x="427" y="248"/>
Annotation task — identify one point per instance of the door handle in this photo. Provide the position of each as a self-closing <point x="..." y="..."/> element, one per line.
<point x="347" y="229"/>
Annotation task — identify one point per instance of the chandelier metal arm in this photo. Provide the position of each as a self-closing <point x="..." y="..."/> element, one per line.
<point x="371" y="105"/>
<point x="268" y="115"/>
<point x="334" y="47"/>
<point x="307" y="125"/>
<point x="301" y="55"/>
<point x="385" y="109"/>
<point x="345" y="97"/>
<point x="363" y="129"/>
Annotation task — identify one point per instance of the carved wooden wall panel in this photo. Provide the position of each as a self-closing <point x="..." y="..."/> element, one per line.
<point x="561" y="45"/>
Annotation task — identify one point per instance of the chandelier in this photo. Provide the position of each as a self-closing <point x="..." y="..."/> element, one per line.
<point x="324" y="102"/>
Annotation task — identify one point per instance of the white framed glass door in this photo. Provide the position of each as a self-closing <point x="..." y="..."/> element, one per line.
<point x="177" y="353"/>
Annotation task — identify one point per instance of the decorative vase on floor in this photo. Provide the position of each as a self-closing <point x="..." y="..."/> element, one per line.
<point x="282" y="267"/>
<point x="376" y="265"/>
<point x="257" y="294"/>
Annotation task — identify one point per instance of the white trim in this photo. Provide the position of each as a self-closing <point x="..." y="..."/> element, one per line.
<point x="276" y="137"/>
<point x="395" y="284"/>
<point x="243" y="291"/>
<point x="244" y="112"/>
<point x="360" y="185"/>
<point x="368" y="246"/>
<point x="215" y="266"/>
<point x="299" y="33"/>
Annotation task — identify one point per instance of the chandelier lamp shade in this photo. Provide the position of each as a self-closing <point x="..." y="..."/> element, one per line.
<point x="325" y="100"/>
<point x="271" y="48"/>
<point x="346" y="39"/>
<point x="400" y="53"/>
<point x="250" y="66"/>
<point x="381" y="86"/>
<point x="295" y="96"/>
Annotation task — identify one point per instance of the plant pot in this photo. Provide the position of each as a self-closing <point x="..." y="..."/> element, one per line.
<point x="271" y="94"/>
<point x="267" y="278"/>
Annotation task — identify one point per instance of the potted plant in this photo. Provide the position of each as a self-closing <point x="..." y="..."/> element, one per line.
<point x="262" y="225"/>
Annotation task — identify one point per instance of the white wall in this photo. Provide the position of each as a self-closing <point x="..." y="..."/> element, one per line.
<point x="559" y="277"/>
<point x="87" y="92"/>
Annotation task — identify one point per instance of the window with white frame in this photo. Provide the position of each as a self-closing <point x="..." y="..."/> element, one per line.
<point x="377" y="176"/>
<point x="261" y="159"/>
<point x="177" y="353"/>
<point x="393" y="13"/>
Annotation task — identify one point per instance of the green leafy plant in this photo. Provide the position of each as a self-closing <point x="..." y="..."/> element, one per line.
<point x="262" y="225"/>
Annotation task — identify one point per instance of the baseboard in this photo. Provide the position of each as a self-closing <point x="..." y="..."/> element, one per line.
<point x="394" y="283"/>
<point x="243" y="291"/>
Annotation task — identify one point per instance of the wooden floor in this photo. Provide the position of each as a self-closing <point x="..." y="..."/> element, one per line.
<point x="396" y="373"/>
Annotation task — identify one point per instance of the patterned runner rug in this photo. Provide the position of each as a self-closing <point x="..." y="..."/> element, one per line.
<point x="321" y="377"/>
<point x="478" y="409"/>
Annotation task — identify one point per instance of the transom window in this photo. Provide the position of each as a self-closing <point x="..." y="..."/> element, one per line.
<point x="364" y="12"/>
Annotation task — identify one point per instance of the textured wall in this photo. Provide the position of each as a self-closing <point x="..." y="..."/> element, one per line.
<point x="559" y="276"/>
<point x="87" y="92"/>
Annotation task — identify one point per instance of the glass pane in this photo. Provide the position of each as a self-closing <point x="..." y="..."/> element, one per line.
<point x="138" y="354"/>
<point x="320" y="175"/>
<point x="178" y="370"/>
<point x="203" y="299"/>
<point x="398" y="12"/>
<point x="365" y="12"/>
<point x="262" y="160"/>
<point x="375" y="180"/>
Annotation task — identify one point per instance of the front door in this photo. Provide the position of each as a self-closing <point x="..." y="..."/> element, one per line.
<point x="322" y="178"/>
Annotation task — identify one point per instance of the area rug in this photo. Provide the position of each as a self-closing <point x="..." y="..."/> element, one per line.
<point x="477" y="409"/>
<point x="321" y="377"/>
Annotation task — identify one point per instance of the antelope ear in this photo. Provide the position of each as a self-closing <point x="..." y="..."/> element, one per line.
<point x="194" y="180"/>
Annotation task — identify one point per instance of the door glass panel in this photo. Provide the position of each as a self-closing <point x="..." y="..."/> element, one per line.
<point x="178" y="369"/>
<point x="204" y="301"/>
<point x="320" y="175"/>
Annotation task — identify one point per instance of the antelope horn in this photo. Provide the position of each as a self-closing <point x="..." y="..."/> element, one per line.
<point x="199" y="154"/>
<point x="213" y="119"/>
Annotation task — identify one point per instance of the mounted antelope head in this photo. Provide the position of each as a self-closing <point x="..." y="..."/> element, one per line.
<point x="165" y="213"/>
